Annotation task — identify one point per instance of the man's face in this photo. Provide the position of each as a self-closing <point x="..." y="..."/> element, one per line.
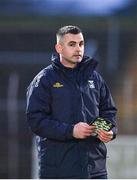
<point x="71" y="49"/>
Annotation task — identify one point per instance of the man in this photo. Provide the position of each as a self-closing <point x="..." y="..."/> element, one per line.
<point x="63" y="101"/>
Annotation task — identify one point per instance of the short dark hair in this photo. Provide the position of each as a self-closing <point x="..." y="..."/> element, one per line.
<point x="68" y="29"/>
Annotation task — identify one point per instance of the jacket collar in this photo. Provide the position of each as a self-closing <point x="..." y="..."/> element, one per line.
<point x="87" y="64"/>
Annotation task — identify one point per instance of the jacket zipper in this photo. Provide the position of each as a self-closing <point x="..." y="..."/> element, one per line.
<point x="82" y="99"/>
<point x="76" y="84"/>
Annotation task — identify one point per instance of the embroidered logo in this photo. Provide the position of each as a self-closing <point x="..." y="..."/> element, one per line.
<point x="57" y="85"/>
<point x="91" y="84"/>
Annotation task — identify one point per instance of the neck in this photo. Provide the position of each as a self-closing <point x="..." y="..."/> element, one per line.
<point x="67" y="63"/>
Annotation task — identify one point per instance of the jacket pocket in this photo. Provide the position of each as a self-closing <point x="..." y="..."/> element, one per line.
<point x="97" y="158"/>
<point x="101" y="150"/>
<point x="97" y="150"/>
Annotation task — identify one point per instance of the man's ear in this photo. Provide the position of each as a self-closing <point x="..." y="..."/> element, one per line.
<point x="58" y="48"/>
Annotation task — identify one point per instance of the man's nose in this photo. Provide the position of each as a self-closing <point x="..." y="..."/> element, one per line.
<point x="78" y="48"/>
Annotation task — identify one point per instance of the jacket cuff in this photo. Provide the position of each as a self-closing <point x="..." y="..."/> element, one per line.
<point x="69" y="133"/>
<point x="114" y="130"/>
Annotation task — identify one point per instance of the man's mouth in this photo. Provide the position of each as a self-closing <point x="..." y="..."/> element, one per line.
<point x="77" y="55"/>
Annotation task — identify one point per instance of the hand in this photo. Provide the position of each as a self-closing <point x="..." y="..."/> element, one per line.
<point x="83" y="130"/>
<point x="105" y="136"/>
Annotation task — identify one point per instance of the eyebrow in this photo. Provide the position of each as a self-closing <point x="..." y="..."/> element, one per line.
<point x="75" y="42"/>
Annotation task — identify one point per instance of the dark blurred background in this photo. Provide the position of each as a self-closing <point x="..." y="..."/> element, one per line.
<point x="27" y="39"/>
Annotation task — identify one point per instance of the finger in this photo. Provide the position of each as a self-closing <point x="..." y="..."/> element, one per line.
<point x="93" y="127"/>
<point x="88" y="133"/>
<point x="104" y="138"/>
<point x="101" y="131"/>
<point x="109" y="133"/>
<point x="105" y="133"/>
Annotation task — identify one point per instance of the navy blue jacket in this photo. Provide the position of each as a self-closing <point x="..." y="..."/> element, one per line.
<point x="57" y="99"/>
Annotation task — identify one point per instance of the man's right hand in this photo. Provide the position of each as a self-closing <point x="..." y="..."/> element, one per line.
<point x="82" y="130"/>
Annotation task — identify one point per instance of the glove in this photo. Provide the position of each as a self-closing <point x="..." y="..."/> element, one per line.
<point x="101" y="123"/>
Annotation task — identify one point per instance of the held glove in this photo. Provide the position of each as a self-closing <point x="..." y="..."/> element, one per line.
<point x="101" y="123"/>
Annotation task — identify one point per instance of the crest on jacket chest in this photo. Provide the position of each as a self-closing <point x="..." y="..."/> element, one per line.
<point x="91" y="84"/>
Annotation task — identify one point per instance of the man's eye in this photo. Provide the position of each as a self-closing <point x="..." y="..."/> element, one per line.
<point x="72" y="44"/>
<point x="81" y="44"/>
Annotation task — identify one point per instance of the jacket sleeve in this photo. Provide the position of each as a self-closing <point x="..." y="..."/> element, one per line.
<point x="107" y="108"/>
<point x="39" y="112"/>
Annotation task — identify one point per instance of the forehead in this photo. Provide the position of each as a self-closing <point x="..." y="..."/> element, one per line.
<point x="73" y="37"/>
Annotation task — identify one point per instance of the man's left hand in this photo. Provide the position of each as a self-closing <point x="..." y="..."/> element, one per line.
<point x="105" y="136"/>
